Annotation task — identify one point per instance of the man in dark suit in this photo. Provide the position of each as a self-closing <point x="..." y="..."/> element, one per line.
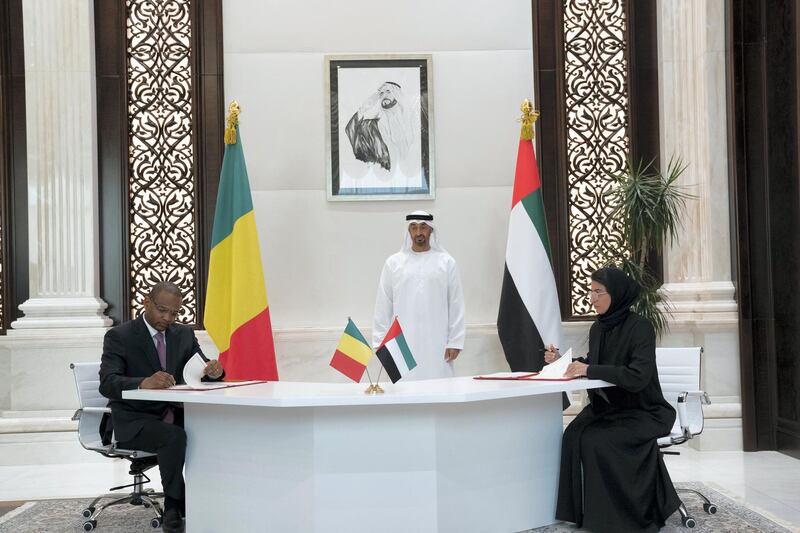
<point x="150" y="353"/>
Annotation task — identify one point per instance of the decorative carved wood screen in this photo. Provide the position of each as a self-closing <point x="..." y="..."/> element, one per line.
<point x="596" y="78"/>
<point x="596" y="100"/>
<point x="162" y="205"/>
<point x="160" y="125"/>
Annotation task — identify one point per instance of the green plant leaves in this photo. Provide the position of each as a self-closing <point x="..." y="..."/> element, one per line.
<point x="649" y="207"/>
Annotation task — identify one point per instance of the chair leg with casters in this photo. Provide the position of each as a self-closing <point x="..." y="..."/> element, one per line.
<point x="679" y="376"/>
<point x="708" y="507"/>
<point x="92" y="418"/>
<point x="686" y="520"/>
<point x="139" y="496"/>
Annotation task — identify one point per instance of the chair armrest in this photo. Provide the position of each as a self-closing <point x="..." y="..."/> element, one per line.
<point x="96" y="409"/>
<point x="77" y="414"/>
<point x="702" y="395"/>
<point x="690" y="412"/>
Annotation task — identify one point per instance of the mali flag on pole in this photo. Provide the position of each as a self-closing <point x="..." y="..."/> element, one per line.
<point x="237" y="312"/>
<point x="353" y="353"/>
<point x="529" y="315"/>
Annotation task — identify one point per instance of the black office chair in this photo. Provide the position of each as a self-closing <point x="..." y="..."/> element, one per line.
<point x="90" y="416"/>
<point x="679" y="375"/>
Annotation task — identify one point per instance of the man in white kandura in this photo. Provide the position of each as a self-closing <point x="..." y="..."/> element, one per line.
<point x="420" y="285"/>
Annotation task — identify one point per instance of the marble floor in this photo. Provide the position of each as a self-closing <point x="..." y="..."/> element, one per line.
<point x="769" y="482"/>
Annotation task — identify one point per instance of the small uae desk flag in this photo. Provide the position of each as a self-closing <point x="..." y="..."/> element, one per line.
<point x="529" y="315"/>
<point x="394" y="353"/>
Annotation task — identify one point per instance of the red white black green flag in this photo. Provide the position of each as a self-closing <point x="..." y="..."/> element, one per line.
<point x="529" y="315"/>
<point x="394" y="353"/>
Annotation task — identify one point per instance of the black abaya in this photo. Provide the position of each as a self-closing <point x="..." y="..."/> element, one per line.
<point x="612" y="477"/>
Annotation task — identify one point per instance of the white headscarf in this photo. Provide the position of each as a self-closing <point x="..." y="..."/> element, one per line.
<point x="418" y="217"/>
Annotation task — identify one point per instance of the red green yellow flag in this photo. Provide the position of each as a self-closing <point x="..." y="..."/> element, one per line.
<point x="353" y="353"/>
<point x="237" y="312"/>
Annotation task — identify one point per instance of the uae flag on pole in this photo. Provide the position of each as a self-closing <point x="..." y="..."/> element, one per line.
<point x="394" y="353"/>
<point x="529" y="315"/>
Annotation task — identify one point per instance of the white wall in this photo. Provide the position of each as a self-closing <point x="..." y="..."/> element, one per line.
<point x="322" y="259"/>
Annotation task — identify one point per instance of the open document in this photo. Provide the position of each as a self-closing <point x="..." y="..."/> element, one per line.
<point x="193" y="376"/>
<point x="552" y="372"/>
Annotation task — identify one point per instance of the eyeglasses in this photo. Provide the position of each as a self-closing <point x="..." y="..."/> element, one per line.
<point x="167" y="311"/>
<point x="596" y="293"/>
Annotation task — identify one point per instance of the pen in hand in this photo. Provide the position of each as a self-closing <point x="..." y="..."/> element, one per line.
<point x="550" y="354"/>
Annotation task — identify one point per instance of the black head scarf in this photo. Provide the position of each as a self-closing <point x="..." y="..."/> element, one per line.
<point x="623" y="292"/>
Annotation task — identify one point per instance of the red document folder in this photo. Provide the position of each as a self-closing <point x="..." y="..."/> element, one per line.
<point x="520" y="376"/>
<point x="215" y="385"/>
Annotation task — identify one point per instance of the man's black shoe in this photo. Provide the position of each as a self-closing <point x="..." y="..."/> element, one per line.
<point x="172" y="522"/>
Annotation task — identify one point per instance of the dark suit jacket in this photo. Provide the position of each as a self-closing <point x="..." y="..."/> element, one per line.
<point x="129" y="356"/>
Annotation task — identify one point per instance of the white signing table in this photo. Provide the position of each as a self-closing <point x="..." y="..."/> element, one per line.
<point x="445" y="455"/>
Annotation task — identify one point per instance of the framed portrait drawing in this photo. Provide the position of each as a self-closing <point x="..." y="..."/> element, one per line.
<point x="379" y="127"/>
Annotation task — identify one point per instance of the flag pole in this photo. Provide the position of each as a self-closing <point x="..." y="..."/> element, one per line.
<point x="231" y="122"/>
<point x="375" y="388"/>
<point x="371" y="388"/>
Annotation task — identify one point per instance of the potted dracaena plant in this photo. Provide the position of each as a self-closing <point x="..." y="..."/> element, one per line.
<point x="649" y="207"/>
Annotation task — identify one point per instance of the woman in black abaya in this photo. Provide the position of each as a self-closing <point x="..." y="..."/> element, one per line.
<point x="612" y="476"/>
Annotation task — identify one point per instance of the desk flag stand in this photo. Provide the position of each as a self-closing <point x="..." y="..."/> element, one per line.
<point x="374" y="388"/>
<point x="394" y="333"/>
<point x="354" y="353"/>
<point x="352" y="356"/>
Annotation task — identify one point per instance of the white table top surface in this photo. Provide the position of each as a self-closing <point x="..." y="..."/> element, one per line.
<point x="305" y="394"/>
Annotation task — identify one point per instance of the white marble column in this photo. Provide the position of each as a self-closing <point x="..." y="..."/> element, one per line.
<point x="692" y="99"/>
<point x="62" y="167"/>
<point x="693" y="126"/>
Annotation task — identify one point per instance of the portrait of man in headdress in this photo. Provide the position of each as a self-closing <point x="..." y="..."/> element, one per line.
<point x="380" y="128"/>
<point x="384" y="128"/>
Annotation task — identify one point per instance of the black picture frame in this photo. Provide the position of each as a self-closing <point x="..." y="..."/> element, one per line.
<point x="379" y="127"/>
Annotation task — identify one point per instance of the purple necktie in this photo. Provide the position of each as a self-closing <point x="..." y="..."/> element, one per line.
<point x="161" y="348"/>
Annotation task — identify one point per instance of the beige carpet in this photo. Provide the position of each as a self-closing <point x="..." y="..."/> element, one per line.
<point x="64" y="516"/>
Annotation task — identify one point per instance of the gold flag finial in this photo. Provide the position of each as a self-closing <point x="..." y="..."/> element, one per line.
<point x="529" y="116"/>
<point x="231" y="122"/>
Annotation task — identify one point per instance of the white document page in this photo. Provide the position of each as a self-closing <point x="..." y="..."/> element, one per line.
<point x="193" y="375"/>
<point x="193" y="371"/>
<point x="556" y="369"/>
